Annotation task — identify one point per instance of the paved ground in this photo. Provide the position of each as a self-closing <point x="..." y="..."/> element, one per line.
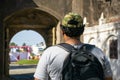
<point x="22" y="72"/>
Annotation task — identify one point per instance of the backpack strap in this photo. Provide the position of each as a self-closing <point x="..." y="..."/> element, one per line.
<point x="66" y="46"/>
<point x="67" y="60"/>
<point x="87" y="47"/>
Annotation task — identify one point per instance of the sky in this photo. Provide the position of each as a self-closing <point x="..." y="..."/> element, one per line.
<point x="29" y="37"/>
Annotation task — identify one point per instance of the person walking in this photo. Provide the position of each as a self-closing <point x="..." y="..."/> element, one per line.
<point x="51" y="62"/>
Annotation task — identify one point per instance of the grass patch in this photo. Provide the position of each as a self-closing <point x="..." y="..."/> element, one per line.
<point x="27" y="62"/>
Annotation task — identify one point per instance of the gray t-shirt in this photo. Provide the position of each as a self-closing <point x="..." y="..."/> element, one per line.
<point x="51" y="62"/>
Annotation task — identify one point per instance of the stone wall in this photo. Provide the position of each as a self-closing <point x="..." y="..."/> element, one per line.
<point x="58" y="7"/>
<point x="92" y="9"/>
<point x="100" y="36"/>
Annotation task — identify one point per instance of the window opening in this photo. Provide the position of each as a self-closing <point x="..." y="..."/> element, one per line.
<point x="113" y="49"/>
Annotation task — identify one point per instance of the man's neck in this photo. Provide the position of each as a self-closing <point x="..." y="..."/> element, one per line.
<point x="70" y="40"/>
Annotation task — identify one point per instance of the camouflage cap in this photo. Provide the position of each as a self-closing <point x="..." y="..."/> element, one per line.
<point x="72" y="20"/>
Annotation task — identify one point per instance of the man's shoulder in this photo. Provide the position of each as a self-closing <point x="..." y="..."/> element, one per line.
<point x="97" y="50"/>
<point x="94" y="49"/>
<point x="99" y="54"/>
<point x="53" y="48"/>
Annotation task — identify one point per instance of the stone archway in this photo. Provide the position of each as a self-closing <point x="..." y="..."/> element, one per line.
<point x="113" y="58"/>
<point x="106" y="44"/>
<point x="92" y="40"/>
<point x="29" y="19"/>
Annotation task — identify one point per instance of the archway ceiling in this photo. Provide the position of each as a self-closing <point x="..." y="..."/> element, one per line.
<point x="32" y="18"/>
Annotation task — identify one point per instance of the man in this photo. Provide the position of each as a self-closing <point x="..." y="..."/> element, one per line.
<point x="51" y="62"/>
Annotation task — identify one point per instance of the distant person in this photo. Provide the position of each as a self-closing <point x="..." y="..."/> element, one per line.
<point x="51" y="63"/>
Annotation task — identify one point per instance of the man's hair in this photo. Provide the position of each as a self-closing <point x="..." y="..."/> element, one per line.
<point x="72" y="25"/>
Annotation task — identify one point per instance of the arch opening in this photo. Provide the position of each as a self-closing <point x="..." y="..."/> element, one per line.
<point x="30" y="19"/>
<point x="110" y="47"/>
<point x="26" y="47"/>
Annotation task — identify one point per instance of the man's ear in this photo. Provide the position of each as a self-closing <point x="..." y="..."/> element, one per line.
<point x="62" y="32"/>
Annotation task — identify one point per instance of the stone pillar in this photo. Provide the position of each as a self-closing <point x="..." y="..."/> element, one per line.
<point x="53" y="37"/>
<point x="77" y="6"/>
<point x="1" y="50"/>
<point x="6" y="52"/>
<point x="118" y="36"/>
<point x="59" y="37"/>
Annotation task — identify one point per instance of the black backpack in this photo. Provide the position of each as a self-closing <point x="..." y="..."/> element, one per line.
<point x="81" y="64"/>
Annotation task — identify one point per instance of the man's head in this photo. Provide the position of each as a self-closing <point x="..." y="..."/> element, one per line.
<point x="72" y="25"/>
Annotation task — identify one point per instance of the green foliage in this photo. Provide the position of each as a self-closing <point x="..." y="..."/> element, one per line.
<point x="24" y="61"/>
<point x="13" y="44"/>
<point x="24" y="44"/>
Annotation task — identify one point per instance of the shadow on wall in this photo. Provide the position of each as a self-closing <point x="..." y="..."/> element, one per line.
<point x="115" y="63"/>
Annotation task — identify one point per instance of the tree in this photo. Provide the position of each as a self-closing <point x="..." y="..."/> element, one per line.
<point x="12" y="44"/>
<point x="24" y="44"/>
